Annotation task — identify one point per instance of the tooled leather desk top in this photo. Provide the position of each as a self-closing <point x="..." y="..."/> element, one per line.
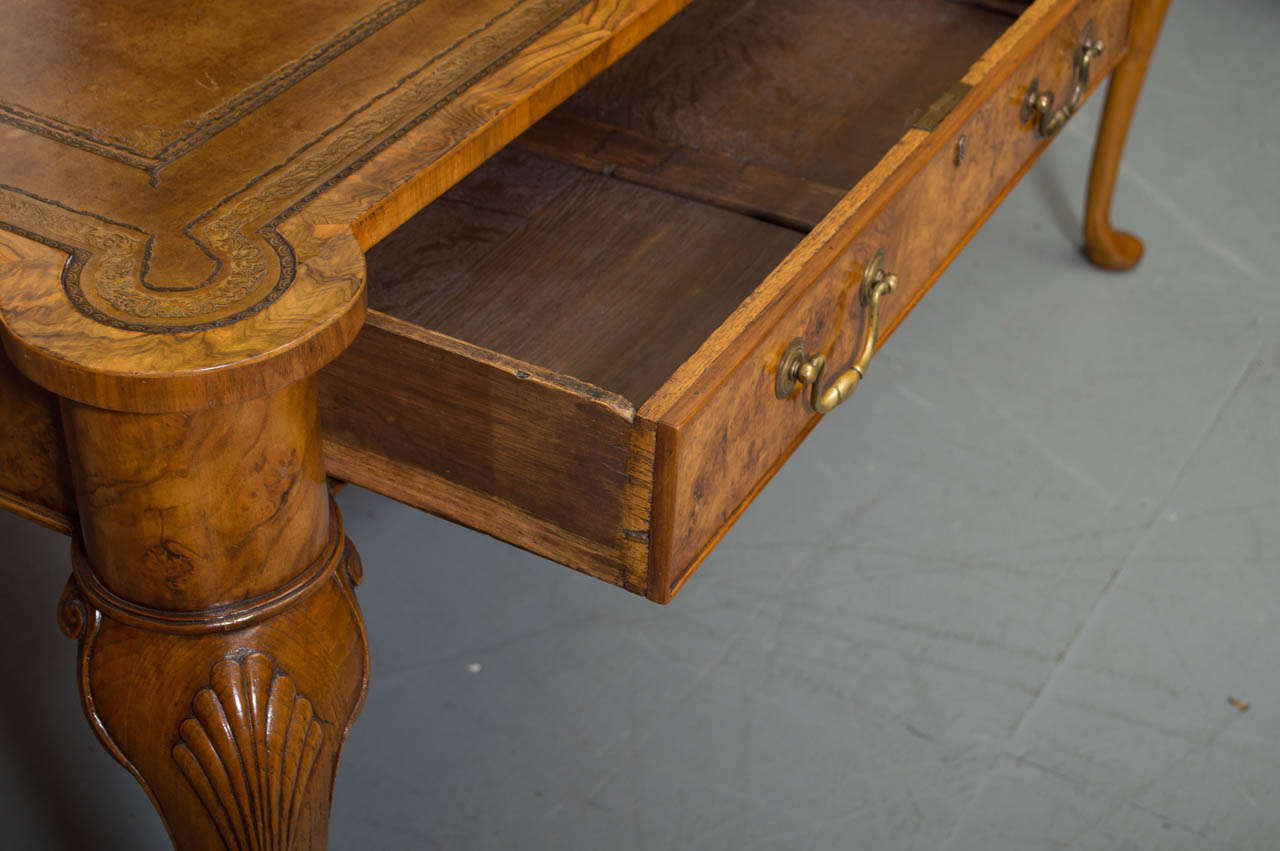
<point x="184" y="191"/>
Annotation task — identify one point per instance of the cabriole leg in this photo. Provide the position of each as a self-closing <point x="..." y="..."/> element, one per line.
<point x="222" y="655"/>
<point x="1103" y="244"/>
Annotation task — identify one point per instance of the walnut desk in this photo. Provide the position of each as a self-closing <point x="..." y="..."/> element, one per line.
<point x="548" y="268"/>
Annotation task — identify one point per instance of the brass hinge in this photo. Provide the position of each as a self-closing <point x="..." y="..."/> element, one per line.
<point x="942" y="107"/>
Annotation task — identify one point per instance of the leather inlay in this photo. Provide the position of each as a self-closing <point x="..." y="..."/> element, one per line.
<point x="249" y="264"/>
<point x="148" y="146"/>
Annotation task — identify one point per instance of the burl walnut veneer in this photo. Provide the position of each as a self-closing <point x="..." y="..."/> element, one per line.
<point x="599" y="344"/>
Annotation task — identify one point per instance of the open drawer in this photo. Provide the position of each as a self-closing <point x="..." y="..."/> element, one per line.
<point x="577" y="349"/>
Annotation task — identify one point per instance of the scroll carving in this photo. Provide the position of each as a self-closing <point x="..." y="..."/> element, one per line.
<point x="249" y="750"/>
<point x="73" y="615"/>
<point x="355" y="567"/>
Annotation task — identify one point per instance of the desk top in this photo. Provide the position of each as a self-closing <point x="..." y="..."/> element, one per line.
<point x="186" y="197"/>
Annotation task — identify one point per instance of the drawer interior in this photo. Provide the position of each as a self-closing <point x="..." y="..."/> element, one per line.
<point x="615" y="235"/>
<point x="528" y="326"/>
<point x="611" y="283"/>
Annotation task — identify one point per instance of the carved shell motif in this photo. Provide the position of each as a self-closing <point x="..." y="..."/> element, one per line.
<point x="249" y="750"/>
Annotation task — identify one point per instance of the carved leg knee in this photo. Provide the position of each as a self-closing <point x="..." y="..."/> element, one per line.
<point x="222" y="653"/>
<point x="232" y="719"/>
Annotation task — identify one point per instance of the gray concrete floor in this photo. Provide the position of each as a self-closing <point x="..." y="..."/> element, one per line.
<point x="999" y="601"/>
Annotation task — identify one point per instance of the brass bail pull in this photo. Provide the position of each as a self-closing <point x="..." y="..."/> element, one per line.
<point x="795" y="367"/>
<point x="1038" y="105"/>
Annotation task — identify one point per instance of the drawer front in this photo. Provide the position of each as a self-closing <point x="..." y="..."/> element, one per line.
<point x="722" y="432"/>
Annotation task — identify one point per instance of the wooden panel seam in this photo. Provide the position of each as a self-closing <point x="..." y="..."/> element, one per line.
<point x="635" y="532"/>
<point x="720" y="180"/>
<point x="523" y="370"/>
<point x="661" y="536"/>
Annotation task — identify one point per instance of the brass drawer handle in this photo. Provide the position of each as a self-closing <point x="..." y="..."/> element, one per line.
<point x="796" y="367"/>
<point x="1040" y="104"/>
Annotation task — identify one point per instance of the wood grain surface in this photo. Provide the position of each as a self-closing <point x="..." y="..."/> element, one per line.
<point x="705" y="176"/>
<point x="193" y="510"/>
<point x="236" y="747"/>
<point x="35" y="479"/>
<point x="204" y="244"/>
<point x="593" y="277"/>
<point x="820" y="89"/>
<point x="186" y="197"/>
<point x="607" y="282"/>
<point x="726" y="433"/>
<point x="482" y="439"/>
<point x="573" y="349"/>
<point x="221" y="652"/>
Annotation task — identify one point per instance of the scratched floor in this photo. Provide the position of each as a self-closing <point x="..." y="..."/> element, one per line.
<point x="998" y="602"/>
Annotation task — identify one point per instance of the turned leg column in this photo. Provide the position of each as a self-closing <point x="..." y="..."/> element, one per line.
<point x="222" y="656"/>
<point x="1103" y="244"/>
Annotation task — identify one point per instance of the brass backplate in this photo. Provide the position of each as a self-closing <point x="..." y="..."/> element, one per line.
<point x="872" y="274"/>
<point x="792" y="358"/>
